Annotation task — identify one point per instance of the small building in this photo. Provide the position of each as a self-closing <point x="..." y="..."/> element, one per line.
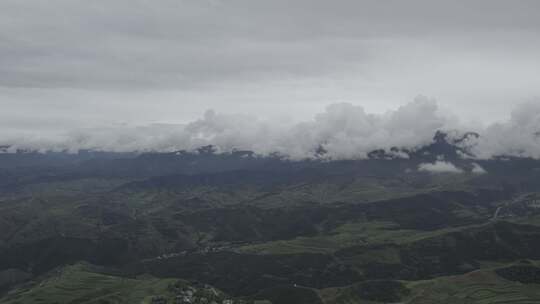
<point x="183" y="300"/>
<point x="158" y="300"/>
<point x="203" y="300"/>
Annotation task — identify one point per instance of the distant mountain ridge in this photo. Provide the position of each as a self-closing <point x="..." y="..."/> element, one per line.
<point x="442" y="145"/>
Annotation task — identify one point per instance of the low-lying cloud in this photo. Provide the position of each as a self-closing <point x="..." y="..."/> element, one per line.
<point x="439" y="167"/>
<point x="342" y="131"/>
<point x="519" y="136"/>
<point x="477" y="169"/>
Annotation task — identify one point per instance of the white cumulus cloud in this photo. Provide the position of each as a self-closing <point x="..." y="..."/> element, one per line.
<point x="343" y="131"/>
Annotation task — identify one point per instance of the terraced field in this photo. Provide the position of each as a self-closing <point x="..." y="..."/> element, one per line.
<point x="78" y="284"/>
<point x="478" y="287"/>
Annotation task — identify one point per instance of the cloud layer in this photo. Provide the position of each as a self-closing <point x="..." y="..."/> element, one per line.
<point x="342" y="131"/>
<point x="183" y="43"/>
<point x="68" y="63"/>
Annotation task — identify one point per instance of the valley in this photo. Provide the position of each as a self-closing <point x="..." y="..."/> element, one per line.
<point x="126" y="229"/>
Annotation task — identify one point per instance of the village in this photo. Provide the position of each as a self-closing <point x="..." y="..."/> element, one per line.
<point x="196" y="293"/>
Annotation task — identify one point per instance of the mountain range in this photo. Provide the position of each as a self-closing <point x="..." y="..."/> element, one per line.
<point x="426" y="225"/>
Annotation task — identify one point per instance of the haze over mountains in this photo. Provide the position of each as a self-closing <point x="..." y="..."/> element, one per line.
<point x="343" y="131"/>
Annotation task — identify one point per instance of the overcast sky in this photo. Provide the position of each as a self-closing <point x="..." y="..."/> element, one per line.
<point x="73" y="63"/>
